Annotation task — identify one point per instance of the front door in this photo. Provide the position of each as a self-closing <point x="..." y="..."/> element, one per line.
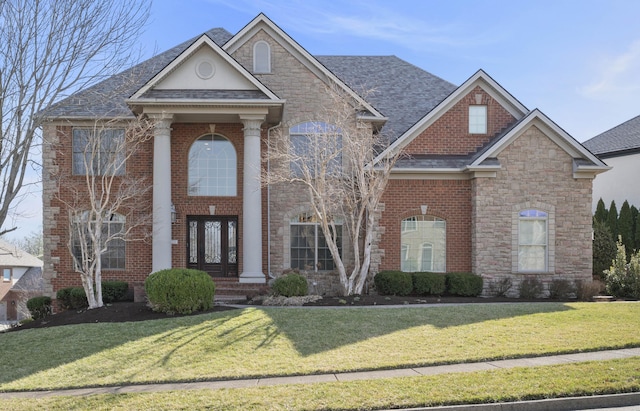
<point x="212" y="244"/>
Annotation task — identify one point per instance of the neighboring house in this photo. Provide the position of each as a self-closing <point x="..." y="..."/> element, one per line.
<point x="21" y="280"/>
<point x="620" y="149"/>
<point x="490" y="186"/>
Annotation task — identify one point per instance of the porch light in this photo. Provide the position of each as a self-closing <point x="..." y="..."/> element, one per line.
<point x="173" y="213"/>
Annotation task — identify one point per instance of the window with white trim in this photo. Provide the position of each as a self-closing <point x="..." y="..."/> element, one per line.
<point x="113" y="258"/>
<point x="98" y="152"/>
<point x="212" y="167"/>
<point x="309" y="249"/>
<point x="477" y="119"/>
<point x="261" y="57"/>
<point x="533" y="254"/>
<point x="315" y="146"/>
<point x="423" y="242"/>
<point x="6" y="274"/>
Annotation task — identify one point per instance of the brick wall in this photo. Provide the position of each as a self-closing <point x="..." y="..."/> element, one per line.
<point x="446" y="199"/>
<point x="449" y="134"/>
<point x="536" y="173"/>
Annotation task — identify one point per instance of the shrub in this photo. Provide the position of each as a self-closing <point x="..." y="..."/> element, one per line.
<point x="393" y="283"/>
<point x="39" y="307"/>
<point x="464" y="284"/>
<point x="179" y="290"/>
<point x="530" y="287"/>
<point x="604" y="248"/>
<point x="428" y="283"/>
<point x="290" y="285"/>
<point x="500" y="288"/>
<point x="561" y="289"/>
<point x="586" y="290"/>
<point x="72" y="298"/>
<point x="622" y="279"/>
<point x="114" y="291"/>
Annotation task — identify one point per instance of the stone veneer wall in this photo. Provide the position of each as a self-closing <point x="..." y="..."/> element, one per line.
<point x="306" y="100"/>
<point x="536" y="173"/>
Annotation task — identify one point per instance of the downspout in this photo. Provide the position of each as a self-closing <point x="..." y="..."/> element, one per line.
<point x="269" y="274"/>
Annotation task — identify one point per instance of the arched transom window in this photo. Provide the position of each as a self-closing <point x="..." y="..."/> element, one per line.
<point x="423" y="244"/>
<point x="212" y="167"/>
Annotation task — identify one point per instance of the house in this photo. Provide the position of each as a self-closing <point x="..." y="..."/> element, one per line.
<point x="620" y="148"/>
<point x="21" y="280"/>
<point x="486" y="186"/>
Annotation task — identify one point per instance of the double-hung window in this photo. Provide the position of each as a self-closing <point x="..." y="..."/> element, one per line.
<point x="533" y="253"/>
<point x="315" y="147"/>
<point x="113" y="256"/>
<point x="477" y="119"/>
<point x="98" y="151"/>
<point x="309" y="249"/>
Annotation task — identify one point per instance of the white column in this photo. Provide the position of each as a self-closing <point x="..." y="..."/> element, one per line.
<point x="252" y="203"/>
<point x="161" y="244"/>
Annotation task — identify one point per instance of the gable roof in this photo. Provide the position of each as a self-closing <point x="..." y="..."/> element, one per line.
<point x="480" y="78"/>
<point x="262" y="22"/>
<point x="12" y="256"/>
<point x="620" y="140"/>
<point x="107" y="98"/>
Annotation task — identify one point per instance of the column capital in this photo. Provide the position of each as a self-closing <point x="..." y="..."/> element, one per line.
<point x="161" y="121"/>
<point x="252" y="122"/>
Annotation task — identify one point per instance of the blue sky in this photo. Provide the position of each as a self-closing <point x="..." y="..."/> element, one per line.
<point x="578" y="61"/>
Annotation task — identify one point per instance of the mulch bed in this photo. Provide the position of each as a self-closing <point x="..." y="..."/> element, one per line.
<point x="130" y="311"/>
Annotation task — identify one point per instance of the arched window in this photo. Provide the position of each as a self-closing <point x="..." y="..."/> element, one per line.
<point x="532" y="241"/>
<point x="309" y="249"/>
<point x="261" y="57"/>
<point x="212" y="167"/>
<point x="315" y="146"/>
<point x="113" y="258"/>
<point x="423" y="244"/>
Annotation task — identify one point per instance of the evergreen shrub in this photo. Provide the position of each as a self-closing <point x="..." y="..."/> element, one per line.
<point x="113" y="291"/>
<point x="425" y="283"/>
<point x="179" y="290"/>
<point x="290" y="285"/>
<point x="464" y="284"/>
<point x="39" y="307"/>
<point x="393" y="283"/>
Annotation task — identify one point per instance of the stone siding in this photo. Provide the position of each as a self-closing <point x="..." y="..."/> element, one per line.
<point x="536" y="173"/>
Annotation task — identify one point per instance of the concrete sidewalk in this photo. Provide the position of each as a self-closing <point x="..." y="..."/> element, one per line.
<point x="370" y="375"/>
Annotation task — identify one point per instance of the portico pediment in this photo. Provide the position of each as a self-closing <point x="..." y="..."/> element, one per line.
<point x="204" y="83"/>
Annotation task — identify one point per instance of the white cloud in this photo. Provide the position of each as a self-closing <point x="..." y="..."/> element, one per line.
<point x="618" y="77"/>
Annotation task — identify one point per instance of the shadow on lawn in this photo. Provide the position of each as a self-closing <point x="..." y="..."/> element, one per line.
<point x="316" y="330"/>
<point x="111" y="348"/>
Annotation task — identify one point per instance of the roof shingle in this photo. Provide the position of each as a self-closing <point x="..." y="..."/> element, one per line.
<point x="622" y="138"/>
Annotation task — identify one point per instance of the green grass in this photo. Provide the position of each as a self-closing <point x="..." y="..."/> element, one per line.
<point x="581" y="379"/>
<point x="282" y="341"/>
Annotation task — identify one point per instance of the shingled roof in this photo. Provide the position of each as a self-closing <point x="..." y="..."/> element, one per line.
<point x="620" y="140"/>
<point x="392" y="80"/>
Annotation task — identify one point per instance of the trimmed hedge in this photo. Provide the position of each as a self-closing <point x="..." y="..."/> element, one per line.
<point x="425" y="283"/>
<point x="464" y="284"/>
<point x="180" y="290"/>
<point x="39" y="307"/>
<point x="393" y="283"/>
<point x="75" y="297"/>
<point x="290" y="285"/>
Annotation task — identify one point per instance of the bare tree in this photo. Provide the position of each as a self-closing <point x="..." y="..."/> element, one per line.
<point x="107" y="206"/>
<point x="332" y="159"/>
<point x="31" y="243"/>
<point x="48" y="50"/>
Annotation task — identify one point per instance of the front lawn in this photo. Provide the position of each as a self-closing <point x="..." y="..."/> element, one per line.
<point x="258" y="342"/>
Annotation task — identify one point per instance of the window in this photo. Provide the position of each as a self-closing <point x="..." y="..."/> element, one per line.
<point x="423" y="244"/>
<point x="315" y="146"/>
<point x="114" y="256"/>
<point x="261" y="57"/>
<point x="309" y="249"/>
<point x="477" y="119"/>
<point x="212" y="167"/>
<point x="6" y="275"/>
<point x="98" y="152"/>
<point x="532" y="241"/>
